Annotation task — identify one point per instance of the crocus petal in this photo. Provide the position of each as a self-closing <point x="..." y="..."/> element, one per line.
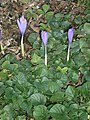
<point x="44" y="36"/>
<point x="70" y="35"/>
<point x="22" y="24"/>
<point x="19" y="25"/>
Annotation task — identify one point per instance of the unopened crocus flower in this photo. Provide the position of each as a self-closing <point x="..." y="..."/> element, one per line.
<point x="22" y="24"/>
<point x="70" y="35"/>
<point x="44" y="37"/>
<point x="70" y="38"/>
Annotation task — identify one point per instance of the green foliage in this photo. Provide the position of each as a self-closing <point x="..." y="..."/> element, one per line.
<point x="60" y="91"/>
<point x="85" y="2"/>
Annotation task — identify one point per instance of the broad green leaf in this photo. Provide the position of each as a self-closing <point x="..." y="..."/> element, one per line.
<point x="8" y="66"/>
<point x="43" y="26"/>
<point x="8" y="93"/>
<point x="20" y="117"/>
<point x="35" y="58"/>
<point x="88" y="109"/>
<point x="38" y="99"/>
<point x="70" y="93"/>
<point x="65" y="25"/>
<point x="87" y="76"/>
<point x="62" y="70"/>
<point x="76" y="114"/>
<point x="87" y="28"/>
<point x="40" y="112"/>
<point x="3" y="75"/>
<point x="53" y="87"/>
<point x="78" y="19"/>
<point x="58" y="97"/>
<point x="50" y="13"/>
<point x="45" y="7"/>
<point x="41" y="71"/>
<point x="40" y="11"/>
<point x="32" y="37"/>
<point x="59" y="16"/>
<point x="2" y="88"/>
<point x="20" y="79"/>
<point x="36" y="45"/>
<point x="10" y="57"/>
<point x="58" y="111"/>
<point x="85" y="88"/>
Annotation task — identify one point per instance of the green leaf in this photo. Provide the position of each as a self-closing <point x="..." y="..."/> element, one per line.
<point x="8" y="66"/>
<point x="2" y="88"/>
<point x="35" y="58"/>
<point x="62" y="70"/>
<point x="36" y="45"/>
<point x="38" y="99"/>
<point x="87" y="76"/>
<point x="85" y="88"/>
<point x="53" y="87"/>
<point x="88" y="109"/>
<point x="32" y="37"/>
<point x="3" y="75"/>
<point x="77" y="113"/>
<point x="20" y="117"/>
<point x="10" y="57"/>
<point x="87" y="28"/>
<point x="40" y="112"/>
<point x="40" y="11"/>
<point x="45" y="7"/>
<point x="50" y="13"/>
<point x="41" y="71"/>
<point x="9" y="92"/>
<point x="58" y="112"/>
<point x="65" y="25"/>
<point x="70" y="93"/>
<point x="58" y="97"/>
<point x="43" y="26"/>
<point x="20" y="78"/>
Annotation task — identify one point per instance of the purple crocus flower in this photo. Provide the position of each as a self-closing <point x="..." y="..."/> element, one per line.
<point x="44" y="37"/>
<point x="70" y="35"/>
<point x="22" y="24"/>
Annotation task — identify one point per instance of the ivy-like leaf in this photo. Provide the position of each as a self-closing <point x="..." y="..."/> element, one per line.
<point x="38" y="99"/>
<point x="40" y="112"/>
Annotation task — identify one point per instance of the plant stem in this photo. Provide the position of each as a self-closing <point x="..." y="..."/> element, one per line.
<point x="68" y="53"/>
<point x="2" y="49"/>
<point x="22" y="47"/>
<point x="45" y="55"/>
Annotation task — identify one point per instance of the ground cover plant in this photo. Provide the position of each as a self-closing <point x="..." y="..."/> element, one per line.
<point x="42" y="84"/>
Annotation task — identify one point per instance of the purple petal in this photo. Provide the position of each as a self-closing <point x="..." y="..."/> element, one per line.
<point x="70" y="35"/>
<point x="44" y="36"/>
<point x="22" y="24"/>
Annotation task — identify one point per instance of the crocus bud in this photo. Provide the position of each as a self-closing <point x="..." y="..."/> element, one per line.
<point x="44" y="37"/>
<point x="70" y="35"/>
<point x="22" y="24"/>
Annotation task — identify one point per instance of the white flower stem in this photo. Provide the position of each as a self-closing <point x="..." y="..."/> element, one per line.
<point x="68" y="53"/>
<point x="45" y="55"/>
<point x="22" y="47"/>
<point x="2" y="49"/>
